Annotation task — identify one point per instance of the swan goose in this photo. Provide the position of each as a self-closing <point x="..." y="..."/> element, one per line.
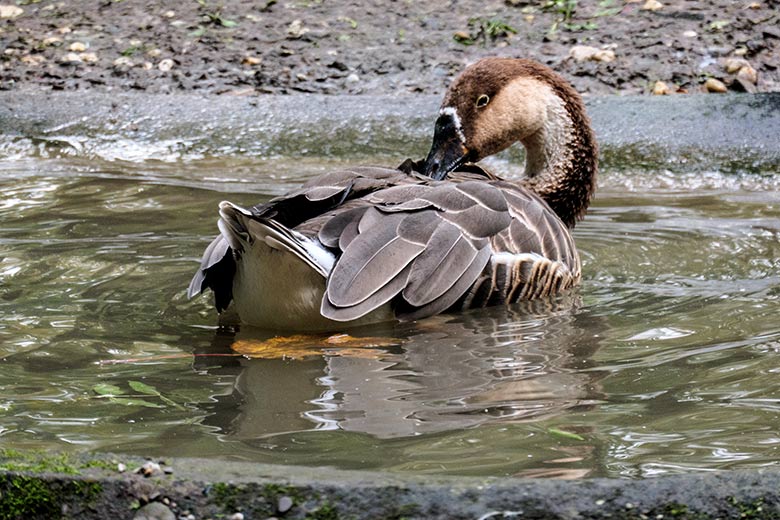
<point x="368" y="244"/>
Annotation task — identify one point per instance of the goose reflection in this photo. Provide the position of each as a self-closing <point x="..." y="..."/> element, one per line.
<point x="451" y="372"/>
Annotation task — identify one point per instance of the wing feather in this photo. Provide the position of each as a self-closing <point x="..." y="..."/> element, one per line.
<point x="445" y="258"/>
<point x="458" y="289"/>
<point x="370" y="262"/>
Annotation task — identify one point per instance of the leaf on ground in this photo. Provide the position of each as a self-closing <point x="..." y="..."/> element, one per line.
<point x="300" y="346"/>
<point x="107" y="389"/>
<point x="555" y="432"/>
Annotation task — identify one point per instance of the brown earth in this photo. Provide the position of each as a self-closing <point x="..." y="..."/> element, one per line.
<point x="383" y="46"/>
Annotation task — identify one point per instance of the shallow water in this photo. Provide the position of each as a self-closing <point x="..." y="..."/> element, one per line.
<point x="664" y="361"/>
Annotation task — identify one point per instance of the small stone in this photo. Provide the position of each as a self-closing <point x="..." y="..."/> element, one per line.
<point x="88" y="57"/>
<point x="149" y="469"/>
<point x="77" y="47"/>
<point x="154" y="53"/>
<point x="581" y="53"/>
<point x="733" y="65"/>
<point x="32" y="60"/>
<point x="236" y="516"/>
<point x="121" y="468"/>
<point x="251" y="61"/>
<point x="296" y="29"/>
<point x="661" y="89"/>
<point x="52" y="40"/>
<point x="690" y="34"/>
<point x="10" y="11"/>
<point x="652" y="5"/>
<point x="749" y="74"/>
<point x="353" y="78"/>
<point x="123" y="62"/>
<point x="740" y="51"/>
<point x="285" y="504"/>
<point x="754" y="5"/>
<point x="165" y="65"/>
<point x="169" y="14"/>
<point x="64" y="30"/>
<point x="71" y="57"/>
<point x="715" y="86"/>
<point x="529" y="18"/>
<point x="154" y="511"/>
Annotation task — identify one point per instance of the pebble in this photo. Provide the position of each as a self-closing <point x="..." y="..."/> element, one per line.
<point x="64" y="30"/>
<point x="284" y="504"/>
<point x="236" y="516"/>
<point x="690" y="34"/>
<point x="296" y="29"/>
<point x="121" y="467"/>
<point x="10" y="11"/>
<point x="154" y="511"/>
<point x="165" y="65"/>
<point x="123" y="62"/>
<point x="353" y="78"/>
<point x="32" y="60"/>
<point x="661" y="89"/>
<point x="749" y="74"/>
<point x="251" y="60"/>
<point x="71" y="57"/>
<point x="150" y="469"/>
<point x="89" y="57"/>
<point x="733" y="65"/>
<point x="169" y="14"/>
<point x="52" y="40"/>
<point x="582" y="53"/>
<point x="715" y="86"/>
<point x="154" y="53"/>
<point x="77" y="47"/>
<point x="461" y="35"/>
<point x="652" y="5"/>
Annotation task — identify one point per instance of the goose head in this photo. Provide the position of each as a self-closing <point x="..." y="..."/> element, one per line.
<point x="500" y="101"/>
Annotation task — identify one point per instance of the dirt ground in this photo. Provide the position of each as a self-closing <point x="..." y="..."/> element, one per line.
<point x="385" y="46"/>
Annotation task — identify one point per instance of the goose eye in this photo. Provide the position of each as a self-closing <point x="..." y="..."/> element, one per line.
<point x="482" y="100"/>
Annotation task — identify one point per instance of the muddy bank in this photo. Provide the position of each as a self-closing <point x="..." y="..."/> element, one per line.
<point x="384" y="47"/>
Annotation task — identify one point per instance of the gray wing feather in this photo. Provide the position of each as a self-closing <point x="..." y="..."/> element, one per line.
<point x="383" y="295"/>
<point x="458" y="289"/>
<point x="370" y="262"/>
<point x="444" y="260"/>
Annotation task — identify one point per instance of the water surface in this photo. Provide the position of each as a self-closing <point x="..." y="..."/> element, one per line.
<point x="664" y="361"/>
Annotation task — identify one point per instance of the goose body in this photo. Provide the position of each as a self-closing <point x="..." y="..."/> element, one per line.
<point x="368" y="244"/>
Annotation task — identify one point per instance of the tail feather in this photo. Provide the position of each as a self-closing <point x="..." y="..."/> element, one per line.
<point x="240" y="229"/>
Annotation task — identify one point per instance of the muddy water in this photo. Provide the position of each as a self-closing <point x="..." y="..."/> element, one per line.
<point x="665" y="361"/>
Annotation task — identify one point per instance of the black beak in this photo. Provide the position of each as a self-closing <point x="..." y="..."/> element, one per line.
<point x="447" y="151"/>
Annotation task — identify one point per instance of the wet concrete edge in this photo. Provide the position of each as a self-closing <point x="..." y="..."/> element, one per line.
<point x="220" y="489"/>
<point x="727" y="132"/>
